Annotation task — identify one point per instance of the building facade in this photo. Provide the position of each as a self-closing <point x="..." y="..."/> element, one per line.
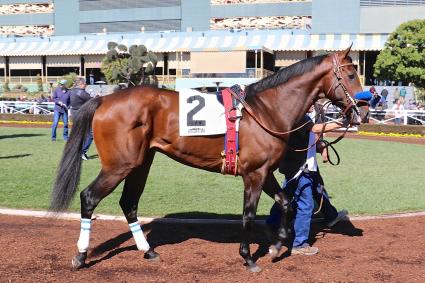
<point x="248" y="38"/>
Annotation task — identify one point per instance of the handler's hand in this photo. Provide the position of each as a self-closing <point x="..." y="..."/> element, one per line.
<point x="344" y="122"/>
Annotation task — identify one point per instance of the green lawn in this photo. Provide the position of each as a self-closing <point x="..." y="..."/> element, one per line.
<point x="373" y="178"/>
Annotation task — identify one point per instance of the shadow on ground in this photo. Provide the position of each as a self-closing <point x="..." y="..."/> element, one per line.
<point x="14" y="136"/>
<point x="161" y="233"/>
<point x="15" y="156"/>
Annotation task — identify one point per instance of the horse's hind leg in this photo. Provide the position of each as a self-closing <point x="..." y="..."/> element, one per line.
<point x="133" y="188"/>
<point x="90" y="197"/>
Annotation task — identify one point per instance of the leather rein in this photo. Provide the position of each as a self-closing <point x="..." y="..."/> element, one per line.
<point x="337" y="82"/>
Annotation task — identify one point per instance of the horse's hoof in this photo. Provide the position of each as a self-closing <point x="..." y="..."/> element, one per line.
<point x="152" y="255"/>
<point x="76" y="263"/>
<point x="274" y="251"/>
<point x="254" y="268"/>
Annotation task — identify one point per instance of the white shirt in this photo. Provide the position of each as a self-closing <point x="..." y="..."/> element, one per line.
<point x="398" y="110"/>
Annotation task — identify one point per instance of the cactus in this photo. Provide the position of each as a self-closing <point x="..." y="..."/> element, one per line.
<point x="149" y="68"/>
<point x="153" y="58"/>
<point x="128" y="65"/>
<point x="112" y="45"/>
<point x="122" y="48"/>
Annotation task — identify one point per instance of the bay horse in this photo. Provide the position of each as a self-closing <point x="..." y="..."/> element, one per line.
<point x="130" y="125"/>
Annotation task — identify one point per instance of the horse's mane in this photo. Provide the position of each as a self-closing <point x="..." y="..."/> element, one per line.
<point x="283" y="75"/>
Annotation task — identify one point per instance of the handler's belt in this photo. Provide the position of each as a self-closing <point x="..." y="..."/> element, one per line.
<point x="231" y="147"/>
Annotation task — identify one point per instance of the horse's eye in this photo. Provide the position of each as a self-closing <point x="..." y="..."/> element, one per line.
<point x="351" y="77"/>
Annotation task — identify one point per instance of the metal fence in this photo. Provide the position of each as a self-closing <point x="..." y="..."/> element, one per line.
<point x="26" y="107"/>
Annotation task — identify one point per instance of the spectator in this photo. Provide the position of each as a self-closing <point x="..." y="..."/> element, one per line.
<point x="79" y="96"/>
<point x="61" y="99"/>
<point x="412" y="105"/>
<point x="42" y="99"/>
<point x="396" y="94"/>
<point x="403" y="93"/>
<point x="91" y="79"/>
<point x="384" y="93"/>
<point x="376" y="98"/>
<point x="398" y="110"/>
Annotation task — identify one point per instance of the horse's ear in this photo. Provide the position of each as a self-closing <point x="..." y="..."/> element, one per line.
<point x="344" y="53"/>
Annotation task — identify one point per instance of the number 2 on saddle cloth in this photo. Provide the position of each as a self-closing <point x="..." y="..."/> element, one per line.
<point x="231" y="148"/>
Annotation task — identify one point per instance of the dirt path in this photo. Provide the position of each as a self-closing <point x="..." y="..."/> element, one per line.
<point x="40" y="249"/>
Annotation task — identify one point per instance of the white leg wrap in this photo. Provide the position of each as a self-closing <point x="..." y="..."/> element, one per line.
<point x="83" y="241"/>
<point x="139" y="237"/>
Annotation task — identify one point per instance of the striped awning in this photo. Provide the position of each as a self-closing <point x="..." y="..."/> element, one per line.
<point x="277" y="40"/>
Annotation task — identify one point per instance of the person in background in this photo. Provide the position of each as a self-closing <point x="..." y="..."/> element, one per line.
<point x="91" y="79"/>
<point x="383" y="102"/>
<point x="398" y="110"/>
<point x="61" y="98"/>
<point x="396" y="94"/>
<point x="403" y="93"/>
<point x="376" y="98"/>
<point x="79" y="96"/>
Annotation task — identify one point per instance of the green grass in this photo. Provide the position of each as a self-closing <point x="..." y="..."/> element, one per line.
<point x="373" y="178"/>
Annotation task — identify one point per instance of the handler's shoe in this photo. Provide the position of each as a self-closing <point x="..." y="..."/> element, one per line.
<point x="84" y="156"/>
<point x="342" y="215"/>
<point x="304" y="250"/>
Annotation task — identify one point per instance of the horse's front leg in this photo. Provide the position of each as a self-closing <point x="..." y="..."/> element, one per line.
<point x="253" y="187"/>
<point x="272" y="189"/>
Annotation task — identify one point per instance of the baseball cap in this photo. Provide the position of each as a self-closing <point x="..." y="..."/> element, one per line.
<point x="63" y="82"/>
<point x="80" y="81"/>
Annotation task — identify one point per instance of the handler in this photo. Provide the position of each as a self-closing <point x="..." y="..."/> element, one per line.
<point x="303" y="182"/>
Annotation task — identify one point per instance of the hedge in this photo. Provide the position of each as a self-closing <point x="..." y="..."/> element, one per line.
<point x="395" y="129"/>
<point x="26" y="117"/>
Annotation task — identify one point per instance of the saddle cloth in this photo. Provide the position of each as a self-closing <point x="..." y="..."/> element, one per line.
<point x="202" y="114"/>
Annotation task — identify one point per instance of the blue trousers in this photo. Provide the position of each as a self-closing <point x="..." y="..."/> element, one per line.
<point x="88" y="141"/>
<point x="56" y="116"/>
<point x="303" y="191"/>
<point x="89" y="138"/>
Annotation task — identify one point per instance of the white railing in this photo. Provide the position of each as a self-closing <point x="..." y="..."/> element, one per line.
<point x="388" y="116"/>
<point x="26" y="107"/>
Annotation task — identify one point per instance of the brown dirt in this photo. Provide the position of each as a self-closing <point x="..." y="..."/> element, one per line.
<point x="40" y="250"/>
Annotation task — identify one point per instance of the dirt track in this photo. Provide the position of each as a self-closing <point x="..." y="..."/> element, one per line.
<point x="39" y="250"/>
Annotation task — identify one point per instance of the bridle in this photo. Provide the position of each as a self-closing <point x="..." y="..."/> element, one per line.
<point x="339" y="82"/>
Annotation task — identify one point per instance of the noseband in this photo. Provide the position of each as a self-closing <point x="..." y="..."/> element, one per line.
<point x="339" y="82"/>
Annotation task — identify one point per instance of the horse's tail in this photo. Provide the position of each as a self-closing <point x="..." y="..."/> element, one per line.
<point x="68" y="174"/>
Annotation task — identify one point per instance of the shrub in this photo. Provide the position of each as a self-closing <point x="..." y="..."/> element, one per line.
<point x="17" y="87"/>
<point x="6" y="87"/>
<point x="395" y="129"/>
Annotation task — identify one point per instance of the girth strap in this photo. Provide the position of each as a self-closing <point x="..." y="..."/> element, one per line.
<point x="230" y="153"/>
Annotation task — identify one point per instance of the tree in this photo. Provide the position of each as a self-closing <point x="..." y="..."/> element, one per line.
<point x="403" y="57"/>
<point x="131" y="66"/>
